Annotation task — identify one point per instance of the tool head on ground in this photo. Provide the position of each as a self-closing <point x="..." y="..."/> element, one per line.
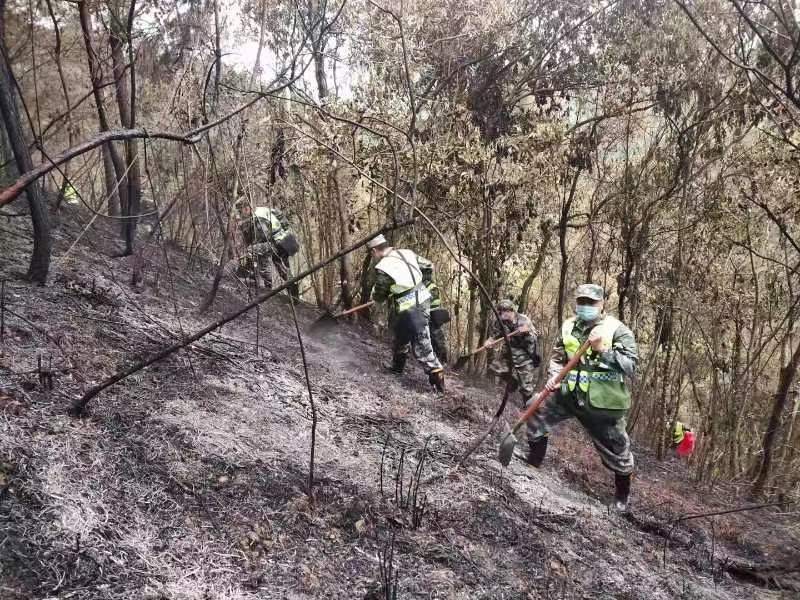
<point x="508" y="441"/>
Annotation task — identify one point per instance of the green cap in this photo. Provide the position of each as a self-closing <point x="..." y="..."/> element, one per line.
<point x="590" y="290"/>
<point x="506" y="305"/>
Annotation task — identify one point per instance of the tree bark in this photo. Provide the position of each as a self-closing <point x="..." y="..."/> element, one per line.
<point x="62" y="78"/>
<point x="8" y="170"/>
<point x="228" y="231"/>
<point x="217" y="57"/>
<point x="782" y="396"/>
<point x="563" y="221"/>
<point x="117" y="190"/>
<point x="110" y="178"/>
<point x="42" y="242"/>
<point x="318" y="42"/>
<point x="126" y="104"/>
<point x="547" y="233"/>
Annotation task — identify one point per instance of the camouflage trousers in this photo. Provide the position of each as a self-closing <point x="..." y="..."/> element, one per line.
<point x="420" y="344"/>
<point x="439" y="342"/>
<point x="605" y="427"/>
<point x="267" y="260"/>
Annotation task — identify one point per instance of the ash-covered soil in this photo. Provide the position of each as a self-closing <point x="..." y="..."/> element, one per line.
<point x="188" y="480"/>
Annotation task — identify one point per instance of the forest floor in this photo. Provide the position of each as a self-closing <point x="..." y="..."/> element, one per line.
<point x="188" y="480"/>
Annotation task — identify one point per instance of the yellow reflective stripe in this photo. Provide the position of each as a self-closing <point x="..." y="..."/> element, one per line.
<point x="583" y="381"/>
<point x="412" y="297"/>
<point x="571" y="343"/>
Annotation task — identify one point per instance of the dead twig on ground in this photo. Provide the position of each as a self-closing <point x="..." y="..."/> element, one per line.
<point x="388" y="571"/>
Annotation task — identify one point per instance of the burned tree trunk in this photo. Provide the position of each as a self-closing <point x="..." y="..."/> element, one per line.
<point x="40" y="258"/>
<point x="782" y="395"/>
<point x="126" y="104"/>
<point x="117" y="190"/>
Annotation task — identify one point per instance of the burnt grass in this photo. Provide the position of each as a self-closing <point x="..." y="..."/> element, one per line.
<point x="190" y="478"/>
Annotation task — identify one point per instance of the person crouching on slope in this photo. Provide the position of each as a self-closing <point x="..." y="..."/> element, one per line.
<point x="595" y="392"/>
<point x="269" y="242"/>
<point x="402" y="279"/>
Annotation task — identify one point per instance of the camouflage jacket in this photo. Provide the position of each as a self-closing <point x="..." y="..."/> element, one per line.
<point x="524" y="346"/>
<point x="254" y="229"/>
<point x="622" y="356"/>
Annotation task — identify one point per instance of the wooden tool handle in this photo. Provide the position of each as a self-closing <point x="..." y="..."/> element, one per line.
<point x="571" y="364"/>
<point x="355" y="309"/>
<point x="501" y="339"/>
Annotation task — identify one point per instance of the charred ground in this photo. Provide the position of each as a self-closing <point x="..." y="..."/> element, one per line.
<point x="188" y="479"/>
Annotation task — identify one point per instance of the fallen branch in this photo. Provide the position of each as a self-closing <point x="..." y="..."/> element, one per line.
<point x="15" y="189"/>
<point x="731" y="510"/>
<point x="313" y="406"/>
<point x="79" y="405"/>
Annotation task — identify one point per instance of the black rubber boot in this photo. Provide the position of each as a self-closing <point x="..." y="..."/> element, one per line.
<point x="536" y="451"/>
<point x="436" y="379"/>
<point x="622" y="484"/>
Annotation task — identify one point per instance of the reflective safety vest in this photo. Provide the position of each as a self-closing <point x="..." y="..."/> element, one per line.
<point x="70" y="194"/>
<point x="276" y="230"/>
<point x="603" y="384"/>
<point x="678" y="432"/>
<point x="408" y="290"/>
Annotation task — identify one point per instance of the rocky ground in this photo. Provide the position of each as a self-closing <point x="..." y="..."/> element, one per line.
<point x="189" y="479"/>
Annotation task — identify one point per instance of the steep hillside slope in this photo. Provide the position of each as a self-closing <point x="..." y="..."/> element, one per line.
<point x="187" y="480"/>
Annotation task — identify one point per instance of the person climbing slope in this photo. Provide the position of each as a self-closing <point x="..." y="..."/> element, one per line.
<point x="402" y="279"/>
<point x="595" y="392"/>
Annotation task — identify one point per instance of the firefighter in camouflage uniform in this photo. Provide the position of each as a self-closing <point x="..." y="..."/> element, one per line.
<point x="402" y="279"/>
<point x="270" y="243"/>
<point x="524" y="350"/>
<point x="595" y="392"/>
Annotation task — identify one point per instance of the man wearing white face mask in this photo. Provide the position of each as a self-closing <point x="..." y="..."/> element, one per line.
<point x="595" y="392"/>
